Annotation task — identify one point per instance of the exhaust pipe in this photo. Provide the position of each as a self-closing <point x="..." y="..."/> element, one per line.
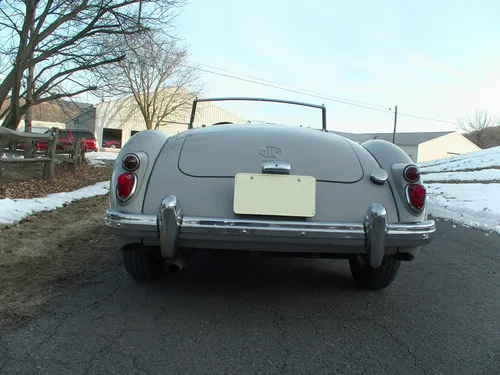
<point x="180" y="261"/>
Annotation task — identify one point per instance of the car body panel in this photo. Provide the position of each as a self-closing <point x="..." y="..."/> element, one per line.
<point x="147" y="146"/>
<point x="225" y="150"/>
<point x="393" y="159"/>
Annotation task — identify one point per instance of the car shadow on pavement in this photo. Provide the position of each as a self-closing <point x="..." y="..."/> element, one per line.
<point x="225" y="271"/>
<point x="215" y="287"/>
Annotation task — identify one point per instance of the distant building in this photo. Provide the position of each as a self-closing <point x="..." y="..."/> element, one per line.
<point x="119" y="120"/>
<point x="48" y="114"/>
<point x="40" y="126"/>
<point x="422" y="146"/>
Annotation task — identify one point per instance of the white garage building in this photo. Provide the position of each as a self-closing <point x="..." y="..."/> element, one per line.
<point x="423" y="146"/>
<point x="121" y="119"/>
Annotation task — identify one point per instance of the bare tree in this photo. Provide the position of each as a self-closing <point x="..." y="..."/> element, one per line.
<point x="155" y="74"/>
<point x="61" y="38"/>
<point x="477" y="126"/>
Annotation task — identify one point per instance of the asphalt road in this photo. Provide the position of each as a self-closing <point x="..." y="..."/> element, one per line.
<point x="242" y="315"/>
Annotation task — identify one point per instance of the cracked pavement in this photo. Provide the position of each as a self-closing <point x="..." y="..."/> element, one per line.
<point x="242" y="315"/>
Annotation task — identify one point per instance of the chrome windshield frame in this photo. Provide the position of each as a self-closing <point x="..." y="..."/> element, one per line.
<point x="252" y="99"/>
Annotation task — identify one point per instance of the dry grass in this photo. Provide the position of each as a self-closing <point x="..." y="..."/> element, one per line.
<point x="48" y="252"/>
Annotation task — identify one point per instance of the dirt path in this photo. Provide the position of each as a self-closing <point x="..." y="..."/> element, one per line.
<point x="48" y="252"/>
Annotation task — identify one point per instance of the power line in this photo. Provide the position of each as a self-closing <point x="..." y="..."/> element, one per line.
<point x="292" y="87"/>
<point x="293" y="90"/>
<point x="275" y="85"/>
<point x="427" y="118"/>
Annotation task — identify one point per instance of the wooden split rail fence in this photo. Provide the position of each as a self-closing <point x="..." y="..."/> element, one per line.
<point x="75" y="151"/>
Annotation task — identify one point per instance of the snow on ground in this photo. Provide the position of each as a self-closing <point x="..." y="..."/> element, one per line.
<point x="100" y="158"/>
<point x="93" y="158"/>
<point x="474" y="160"/>
<point x="465" y="188"/>
<point x="474" y="205"/>
<point x="14" y="210"/>
<point x="11" y="156"/>
<point x="484" y="175"/>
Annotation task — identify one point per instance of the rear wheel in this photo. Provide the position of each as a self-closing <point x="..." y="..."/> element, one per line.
<point x="143" y="263"/>
<point x="368" y="277"/>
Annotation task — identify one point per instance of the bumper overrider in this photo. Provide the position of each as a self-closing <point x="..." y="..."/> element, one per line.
<point x="174" y="230"/>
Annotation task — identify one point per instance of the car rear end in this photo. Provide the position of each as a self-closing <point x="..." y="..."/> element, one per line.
<point x="263" y="188"/>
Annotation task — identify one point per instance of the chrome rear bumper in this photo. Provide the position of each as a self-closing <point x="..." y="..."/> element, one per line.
<point x="373" y="236"/>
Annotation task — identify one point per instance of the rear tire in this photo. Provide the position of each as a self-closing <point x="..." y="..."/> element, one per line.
<point x="368" y="277"/>
<point x="143" y="264"/>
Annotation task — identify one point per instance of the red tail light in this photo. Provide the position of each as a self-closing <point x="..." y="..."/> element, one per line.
<point x="125" y="186"/>
<point x="411" y="173"/>
<point x="130" y="162"/>
<point x="415" y="194"/>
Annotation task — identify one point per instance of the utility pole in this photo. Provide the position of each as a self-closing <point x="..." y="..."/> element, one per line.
<point x="395" y="122"/>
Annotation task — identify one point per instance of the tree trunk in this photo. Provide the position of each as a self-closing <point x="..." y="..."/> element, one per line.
<point x="9" y="122"/>
<point x="28" y="145"/>
<point x="14" y="116"/>
<point x="6" y="86"/>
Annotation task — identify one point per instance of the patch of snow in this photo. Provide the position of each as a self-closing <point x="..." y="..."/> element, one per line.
<point x="11" y="156"/>
<point x="484" y="175"/>
<point x="100" y="158"/>
<point x="464" y="189"/>
<point x="14" y="210"/>
<point x="487" y="158"/>
<point x="474" y="205"/>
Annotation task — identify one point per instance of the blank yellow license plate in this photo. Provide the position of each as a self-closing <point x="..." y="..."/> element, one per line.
<point x="279" y="195"/>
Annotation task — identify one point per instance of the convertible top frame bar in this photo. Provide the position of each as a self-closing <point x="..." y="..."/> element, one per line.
<point x="196" y="101"/>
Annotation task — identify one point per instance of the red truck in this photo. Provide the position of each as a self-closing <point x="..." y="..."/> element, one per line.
<point x="66" y="137"/>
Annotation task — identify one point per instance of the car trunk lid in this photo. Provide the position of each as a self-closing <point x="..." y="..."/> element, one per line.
<point x="225" y="150"/>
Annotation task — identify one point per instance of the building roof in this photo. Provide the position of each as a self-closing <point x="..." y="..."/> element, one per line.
<point x="53" y="111"/>
<point x="406" y="139"/>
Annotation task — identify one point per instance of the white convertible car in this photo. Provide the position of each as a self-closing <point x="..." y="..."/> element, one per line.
<point x="264" y="188"/>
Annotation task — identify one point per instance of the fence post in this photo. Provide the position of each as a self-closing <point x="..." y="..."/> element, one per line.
<point x="3" y="144"/>
<point x="74" y="156"/>
<point x="48" y="173"/>
<point x="32" y="150"/>
<point x="84" y="160"/>
<point x="81" y="151"/>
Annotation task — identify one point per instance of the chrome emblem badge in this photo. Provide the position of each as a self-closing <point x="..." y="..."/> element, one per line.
<point x="270" y="151"/>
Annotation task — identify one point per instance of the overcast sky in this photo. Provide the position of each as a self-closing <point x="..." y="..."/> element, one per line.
<point x="436" y="59"/>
